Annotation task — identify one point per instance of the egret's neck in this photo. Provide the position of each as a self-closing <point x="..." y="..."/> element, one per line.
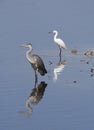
<point x="55" y="36"/>
<point x="28" y="54"/>
<point x="55" y="75"/>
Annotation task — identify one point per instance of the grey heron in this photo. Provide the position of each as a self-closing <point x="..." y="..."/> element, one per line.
<point x="35" y="61"/>
<point x="58" y="41"/>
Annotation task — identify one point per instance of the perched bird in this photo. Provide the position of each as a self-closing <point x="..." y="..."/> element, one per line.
<point x="59" y="41"/>
<point x="36" y="62"/>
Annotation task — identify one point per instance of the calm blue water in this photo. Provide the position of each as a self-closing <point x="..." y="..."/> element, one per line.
<point x="64" y="100"/>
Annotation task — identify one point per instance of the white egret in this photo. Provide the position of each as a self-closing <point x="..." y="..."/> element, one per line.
<point x="58" y="41"/>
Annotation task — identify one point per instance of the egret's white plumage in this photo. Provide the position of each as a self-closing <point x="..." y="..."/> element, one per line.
<point x="59" y="41"/>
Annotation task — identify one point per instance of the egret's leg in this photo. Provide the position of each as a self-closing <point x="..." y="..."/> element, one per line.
<point x="60" y="54"/>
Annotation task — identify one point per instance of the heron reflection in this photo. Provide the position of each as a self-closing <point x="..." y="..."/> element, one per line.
<point x="35" y="96"/>
<point x="59" y="68"/>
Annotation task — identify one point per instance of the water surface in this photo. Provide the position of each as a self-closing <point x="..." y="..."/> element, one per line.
<point x="62" y="99"/>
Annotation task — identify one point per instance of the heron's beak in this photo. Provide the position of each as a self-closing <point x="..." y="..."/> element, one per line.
<point x="23" y="45"/>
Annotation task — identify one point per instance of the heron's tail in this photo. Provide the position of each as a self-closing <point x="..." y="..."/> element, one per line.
<point x="42" y="72"/>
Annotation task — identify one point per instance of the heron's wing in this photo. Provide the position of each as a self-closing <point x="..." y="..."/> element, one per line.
<point x="38" y="64"/>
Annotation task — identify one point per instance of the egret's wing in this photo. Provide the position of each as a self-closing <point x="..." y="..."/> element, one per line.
<point x="61" y="43"/>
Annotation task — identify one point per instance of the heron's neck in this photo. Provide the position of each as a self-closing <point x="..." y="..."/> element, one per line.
<point x="28" y="55"/>
<point x="28" y="105"/>
<point x="55" y="36"/>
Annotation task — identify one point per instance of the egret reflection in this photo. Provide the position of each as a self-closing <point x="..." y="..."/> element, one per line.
<point x="59" y="68"/>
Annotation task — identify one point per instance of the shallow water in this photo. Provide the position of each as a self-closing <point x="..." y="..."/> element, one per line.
<point x="62" y="99"/>
<point x="62" y="102"/>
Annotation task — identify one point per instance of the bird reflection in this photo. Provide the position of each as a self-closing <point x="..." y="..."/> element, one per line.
<point x="35" y="96"/>
<point x="59" y="68"/>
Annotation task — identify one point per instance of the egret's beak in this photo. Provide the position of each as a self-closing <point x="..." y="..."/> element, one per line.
<point x="49" y="32"/>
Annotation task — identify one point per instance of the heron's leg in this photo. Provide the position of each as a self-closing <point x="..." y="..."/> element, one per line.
<point x="36" y="78"/>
